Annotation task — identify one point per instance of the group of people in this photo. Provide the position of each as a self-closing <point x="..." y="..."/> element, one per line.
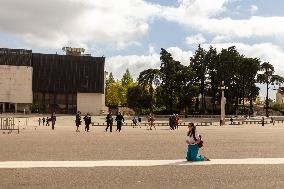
<point x="174" y="121"/>
<point x="87" y="119"/>
<point x="119" y="120"/>
<point x="193" y="139"/>
<point x="45" y="122"/>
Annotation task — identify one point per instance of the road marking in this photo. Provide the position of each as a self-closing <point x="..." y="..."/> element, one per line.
<point x="136" y="163"/>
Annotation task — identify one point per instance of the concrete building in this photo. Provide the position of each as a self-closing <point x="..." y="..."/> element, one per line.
<point x="51" y="82"/>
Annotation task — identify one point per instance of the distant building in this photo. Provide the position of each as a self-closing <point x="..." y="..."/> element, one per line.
<point x="61" y="83"/>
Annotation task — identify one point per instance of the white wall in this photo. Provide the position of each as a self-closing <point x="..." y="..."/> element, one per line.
<point x="16" y="84"/>
<point x="93" y="103"/>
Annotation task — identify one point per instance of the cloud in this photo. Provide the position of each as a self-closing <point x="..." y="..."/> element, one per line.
<point x="55" y="23"/>
<point x="266" y="52"/>
<point x="195" y="39"/>
<point x="221" y="39"/>
<point x="253" y="9"/>
<point x="205" y="16"/>
<point x="137" y="63"/>
<point x="180" y="55"/>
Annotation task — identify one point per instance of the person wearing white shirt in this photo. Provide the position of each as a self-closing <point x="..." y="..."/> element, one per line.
<point x="194" y="141"/>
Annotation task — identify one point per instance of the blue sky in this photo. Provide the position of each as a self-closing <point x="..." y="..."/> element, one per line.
<point x="130" y="33"/>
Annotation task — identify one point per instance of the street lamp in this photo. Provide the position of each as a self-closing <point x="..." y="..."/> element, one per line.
<point x="222" y="88"/>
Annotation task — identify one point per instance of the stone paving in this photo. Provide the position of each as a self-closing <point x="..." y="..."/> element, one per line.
<point x="40" y="143"/>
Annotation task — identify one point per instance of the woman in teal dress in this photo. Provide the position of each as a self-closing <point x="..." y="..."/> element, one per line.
<point x="193" y="138"/>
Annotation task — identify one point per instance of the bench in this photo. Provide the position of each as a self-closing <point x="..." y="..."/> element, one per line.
<point x="236" y="123"/>
<point x="140" y="124"/>
<point x="204" y="123"/>
<point x="255" y="122"/>
<point x="8" y="124"/>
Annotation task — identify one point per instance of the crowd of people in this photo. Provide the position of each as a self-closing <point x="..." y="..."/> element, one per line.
<point x="45" y="121"/>
<point x="174" y="121"/>
<point x="193" y="140"/>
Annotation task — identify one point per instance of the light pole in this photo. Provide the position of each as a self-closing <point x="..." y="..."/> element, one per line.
<point x="222" y="118"/>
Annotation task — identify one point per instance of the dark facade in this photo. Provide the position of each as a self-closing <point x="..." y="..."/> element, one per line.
<point x="15" y="57"/>
<point x="58" y="78"/>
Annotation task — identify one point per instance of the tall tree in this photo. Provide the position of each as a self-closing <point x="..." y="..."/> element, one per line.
<point x="212" y="60"/>
<point x="168" y="70"/>
<point x="199" y="66"/>
<point x="147" y="79"/>
<point x="268" y="78"/>
<point x="138" y="98"/>
<point x="126" y="78"/>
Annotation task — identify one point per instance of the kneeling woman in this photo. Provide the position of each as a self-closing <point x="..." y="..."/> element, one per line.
<point x="193" y="139"/>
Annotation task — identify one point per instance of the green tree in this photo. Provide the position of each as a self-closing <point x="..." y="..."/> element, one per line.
<point x="199" y="66"/>
<point x="113" y="95"/>
<point x="169" y="68"/>
<point x="126" y="78"/>
<point x="147" y="79"/>
<point x="268" y="78"/>
<point x="138" y="98"/>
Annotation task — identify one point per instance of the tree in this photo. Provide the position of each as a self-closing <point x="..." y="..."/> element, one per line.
<point x="113" y="97"/>
<point x="147" y="79"/>
<point x="268" y="78"/>
<point x="138" y="98"/>
<point x="126" y="78"/>
<point x="199" y="66"/>
<point x="168" y="69"/>
<point x="212" y="60"/>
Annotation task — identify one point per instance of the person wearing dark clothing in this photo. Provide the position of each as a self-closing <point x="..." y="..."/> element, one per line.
<point x="119" y="119"/>
<point x="231" y="120"/>
<point x="109" y="121"/>
<point x="272" y="120"/>
<point x="262" y="121"/>
<point x="47" y="121"/>
<point x="88" y="121"/>
<point x="78" y="120"/>
<point x="43" y="121"/>
<point x="39" y="121"/>
<point x="53" y="120"/>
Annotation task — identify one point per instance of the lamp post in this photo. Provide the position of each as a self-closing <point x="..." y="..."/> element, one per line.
<point x="222" y="118"/>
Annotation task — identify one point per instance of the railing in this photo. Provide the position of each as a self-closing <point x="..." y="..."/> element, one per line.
<point x="8" y="124"/>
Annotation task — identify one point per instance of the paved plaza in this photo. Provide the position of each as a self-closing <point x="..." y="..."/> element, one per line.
<point x="244" y="156"/>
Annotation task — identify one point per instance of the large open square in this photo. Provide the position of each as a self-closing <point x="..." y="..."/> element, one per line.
<point x="230" y="143"/>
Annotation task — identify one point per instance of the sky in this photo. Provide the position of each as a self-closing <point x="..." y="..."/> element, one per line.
<point x="130" y="33"/>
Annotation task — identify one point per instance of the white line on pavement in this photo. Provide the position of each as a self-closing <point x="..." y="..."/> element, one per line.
<point x="136" y="163"/>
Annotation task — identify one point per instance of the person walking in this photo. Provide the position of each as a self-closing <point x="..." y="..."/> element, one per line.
<point x="43" y="121"/>
<point x="47" y="121"/>
<point x="151" y="121"/>
<point x="53" y="120"/>
<point x="109" y="121"/>
<point x="272" y="120"/>
<point x="262" y="121"/>
<point x="177" y="121"/>
<point x="194" y="143"/>
<point x="119" y="121"/>
<point x="170" y="122"/>
<point x="88" y="121"/>
<point x="39" y="121"/>
<point x="78" y="120"/>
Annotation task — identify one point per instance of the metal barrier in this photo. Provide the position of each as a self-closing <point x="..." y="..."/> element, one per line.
<point x="8" y="124"/>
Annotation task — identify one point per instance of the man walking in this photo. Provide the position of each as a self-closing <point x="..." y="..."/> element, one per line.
<point x="109" y="121"/>
<point x="78" y="120"/>
<point x="119" y="119"/>
<point x="53" y="120"/>
<point x="88" y="121"/>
